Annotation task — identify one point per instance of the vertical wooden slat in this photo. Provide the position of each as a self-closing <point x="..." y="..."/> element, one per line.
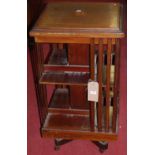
<point x="100" y="70"/>
<point x="108" y="84"/>
<point x="116" y="84"/>
<point x="37" y="64"/>
<point x="43" y="87"/>
<point x="39" y="69"/>
<point x="92" y="76"/>
<point x="40" y="59"/>
<point x="33" y="56"/>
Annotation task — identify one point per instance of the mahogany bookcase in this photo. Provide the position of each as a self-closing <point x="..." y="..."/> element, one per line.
<point x="83" y="43"/>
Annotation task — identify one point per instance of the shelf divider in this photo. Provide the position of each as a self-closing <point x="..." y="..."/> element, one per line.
<point x="100" y="101"/>
<point x="116" y="85"/>
<point x="108" y="84"/>
<point x="92" y="76"/>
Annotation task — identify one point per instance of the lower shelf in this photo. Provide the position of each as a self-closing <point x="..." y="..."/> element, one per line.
<point x="67" y="122"/>
<point x="65" y="78"/>
<point x="69" y="126"/>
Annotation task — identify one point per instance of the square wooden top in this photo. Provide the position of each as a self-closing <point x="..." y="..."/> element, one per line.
<point x="80" y="20"/>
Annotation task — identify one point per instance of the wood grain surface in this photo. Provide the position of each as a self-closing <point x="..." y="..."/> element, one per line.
<point x="80" y="19"/>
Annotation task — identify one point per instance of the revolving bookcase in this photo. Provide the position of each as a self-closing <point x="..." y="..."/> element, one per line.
<point x="82" y="43"/>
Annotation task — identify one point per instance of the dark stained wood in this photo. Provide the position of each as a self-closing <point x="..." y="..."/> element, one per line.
<point x="80" y="19"/>
<point x="76" y="52"/>
<point x="92" y="77"/>
<point x="33" y="55"/>
<point x="66" y="122"/>
<point x="41" y="88"/>
<point x="37" y="65"/>
<point x="65" y="78"/>
<point x="44" y="39"/>
<point x="67" y="132"/>
<point x="71" y="68"/>
<point x="78" y="97"/>
<point x="87" y="135"/>
<point x="88" y="30"/>
<point x="109" y="50"/>
<point x="100" y="100"/>
<point x="116" y="86"/>
<point x="72" y="111"/>
<point x="67" y="39"/>
<point x="92" y="54"/>
<point x="82" y="135"/>
<point x="72" y="127"/>
<point x="38" y="74"/>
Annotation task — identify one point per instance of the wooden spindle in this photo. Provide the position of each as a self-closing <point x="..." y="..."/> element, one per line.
<point x="116" y="84"/>
<point x="92" y="76"/>
<point x="108" y="84"/>
<point x="100" y="79"/>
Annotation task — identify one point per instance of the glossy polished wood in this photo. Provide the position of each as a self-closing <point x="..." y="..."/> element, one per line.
<point x="80" y="20"/>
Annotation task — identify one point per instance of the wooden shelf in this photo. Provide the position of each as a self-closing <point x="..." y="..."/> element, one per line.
<point x="65" y="78"/>
<point x="97" y="21"/>
<point x="59" y="103"/>
<point x="66" y="122"/>
<point x="72" y="127"/>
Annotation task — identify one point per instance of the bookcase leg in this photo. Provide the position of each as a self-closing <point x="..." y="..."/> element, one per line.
<point x="102" y="145"/>
<point x="59" y="142"/>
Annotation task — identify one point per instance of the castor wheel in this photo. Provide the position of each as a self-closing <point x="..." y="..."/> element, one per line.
<point x="56" y="148"/>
